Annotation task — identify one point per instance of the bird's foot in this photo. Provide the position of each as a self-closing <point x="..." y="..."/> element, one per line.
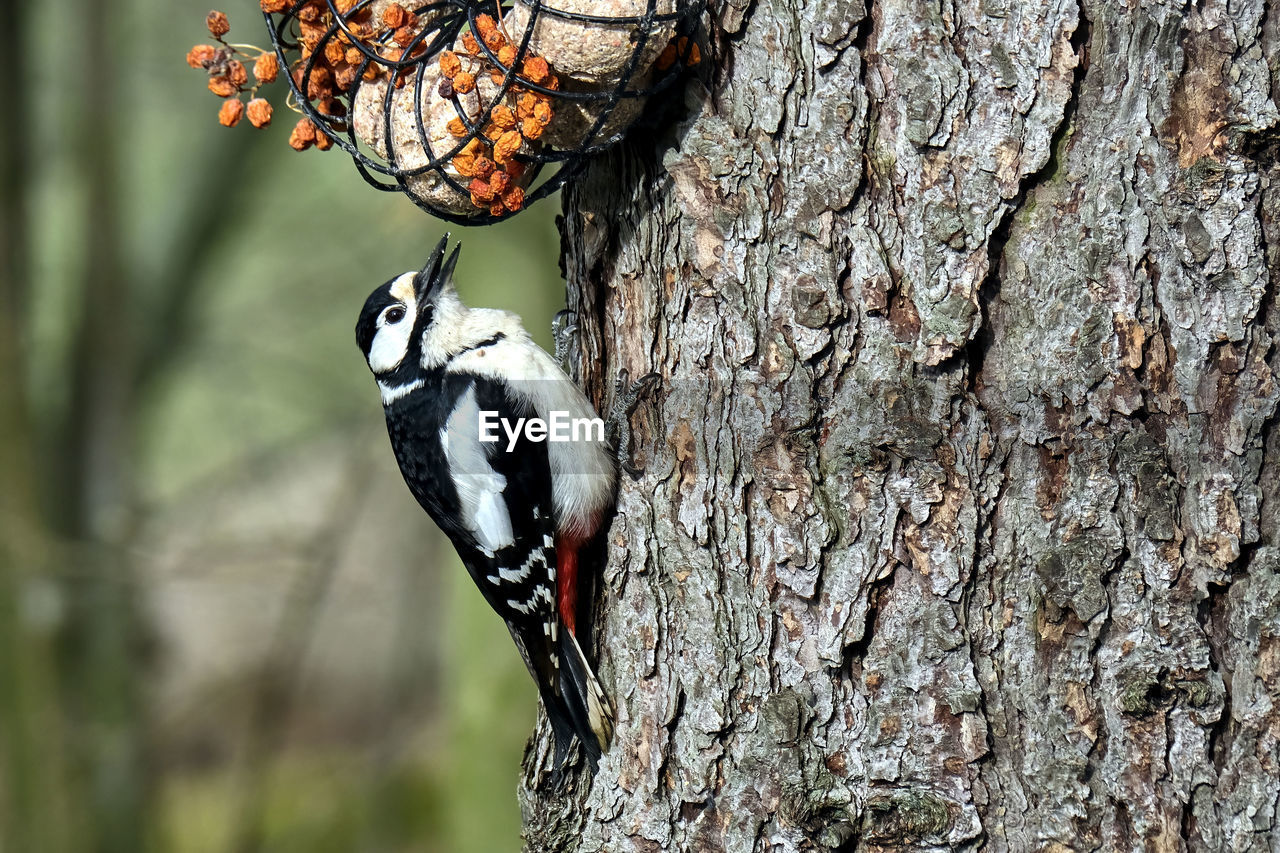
<point x="564" y="328"/>
<point x="626" y="399"/>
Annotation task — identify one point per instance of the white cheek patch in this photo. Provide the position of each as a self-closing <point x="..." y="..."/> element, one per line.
<point x="391" y="341"/>
<point x="390" y="345"/>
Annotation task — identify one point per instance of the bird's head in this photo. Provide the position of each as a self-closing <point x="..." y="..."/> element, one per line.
<point x="416" y="323"/>
<point x="404" y="326"/>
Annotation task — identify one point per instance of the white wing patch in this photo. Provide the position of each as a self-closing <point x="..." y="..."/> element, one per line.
<point x="479" y="487"/>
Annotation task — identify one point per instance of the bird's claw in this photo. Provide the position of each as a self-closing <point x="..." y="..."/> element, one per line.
<point x="564" y="328"/>
<point x="627" y="397"/>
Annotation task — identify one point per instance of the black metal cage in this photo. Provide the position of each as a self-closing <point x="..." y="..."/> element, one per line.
<point x="350" y="70"/>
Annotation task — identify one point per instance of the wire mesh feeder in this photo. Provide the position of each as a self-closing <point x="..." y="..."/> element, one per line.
<point x="504" y="90"/>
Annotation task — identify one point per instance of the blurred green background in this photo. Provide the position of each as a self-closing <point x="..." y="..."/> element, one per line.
<point x="224" y="623"/>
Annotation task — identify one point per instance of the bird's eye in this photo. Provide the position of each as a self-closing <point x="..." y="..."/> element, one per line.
<point x="394" y="314"/>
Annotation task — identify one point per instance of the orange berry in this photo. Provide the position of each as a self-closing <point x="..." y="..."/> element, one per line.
<point x="542" y="112"/>
<point x="524" y="107"/>
<point x="499" y="181"/>
<point x="259" y="112"/>
<point x="507" y="56"/>
<point x="531" y="129"/>
<point x="229" y="114"/>
<point x="222" y="87"/>
<point x="323" y="141"/>
<point x="485" y="24"/>
<point x="318" y="85"/>
<point x="469" y="42"/>
<point x="484" y="167"/>
<point x="463" y="82"/>
<point x="334" y="51"/>
<point x="345" y="77"/>
<point x="503" y="117"/>
<point x="403" y="36"/>
<point x="480" y="192"/>
<point x="218" y="24"/>
<point x="266" y="67"/>
<point x="456" y="127"/>
<point x="535" y="69"/>
<point x="449" y="63"/>
<point x="465" y="160"/>
<point x="513" y="198"/>
<point x="394" y="16"/>
<point x="303" y="135"/>
<point x="496" y="208"/>
<point x="463" y="163"/>
<point x="201" y="54"/>
<point x="274" y="7"/>
<point x="235" y="70"/>
<point x="507" y="145"/>
<point x="311" y="32"/>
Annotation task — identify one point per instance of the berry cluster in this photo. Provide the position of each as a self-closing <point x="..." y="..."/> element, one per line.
<point x="489" y="157"/>
<point x="341" y="60"/>
<point x="440" y="97"/>
<point x="228" y="78"/>
<point x="381" y="27"/>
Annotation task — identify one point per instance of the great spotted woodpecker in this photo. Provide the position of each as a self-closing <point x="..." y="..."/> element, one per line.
<point x="517" y="510"/>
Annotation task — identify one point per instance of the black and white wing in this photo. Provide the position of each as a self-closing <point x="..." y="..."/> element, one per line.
<point x="495" y="505"/>
<point x="494" y="501"/>
<point x="505" y="502"/>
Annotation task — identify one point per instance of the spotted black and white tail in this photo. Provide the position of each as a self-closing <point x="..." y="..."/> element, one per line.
<point x="579" y="708"/>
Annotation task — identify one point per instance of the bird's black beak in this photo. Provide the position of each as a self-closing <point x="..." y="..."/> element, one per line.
<point x="436" y="275"/>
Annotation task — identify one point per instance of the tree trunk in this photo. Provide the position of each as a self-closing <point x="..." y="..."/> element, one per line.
<point x="959" y="521"/>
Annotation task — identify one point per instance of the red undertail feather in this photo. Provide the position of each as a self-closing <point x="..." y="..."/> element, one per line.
<point x="567" y="580"/>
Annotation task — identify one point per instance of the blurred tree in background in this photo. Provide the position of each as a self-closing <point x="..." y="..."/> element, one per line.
<point x="224" y="625"/>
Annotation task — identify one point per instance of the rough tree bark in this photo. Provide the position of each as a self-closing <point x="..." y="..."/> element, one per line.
<point x="959" y="523"/>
